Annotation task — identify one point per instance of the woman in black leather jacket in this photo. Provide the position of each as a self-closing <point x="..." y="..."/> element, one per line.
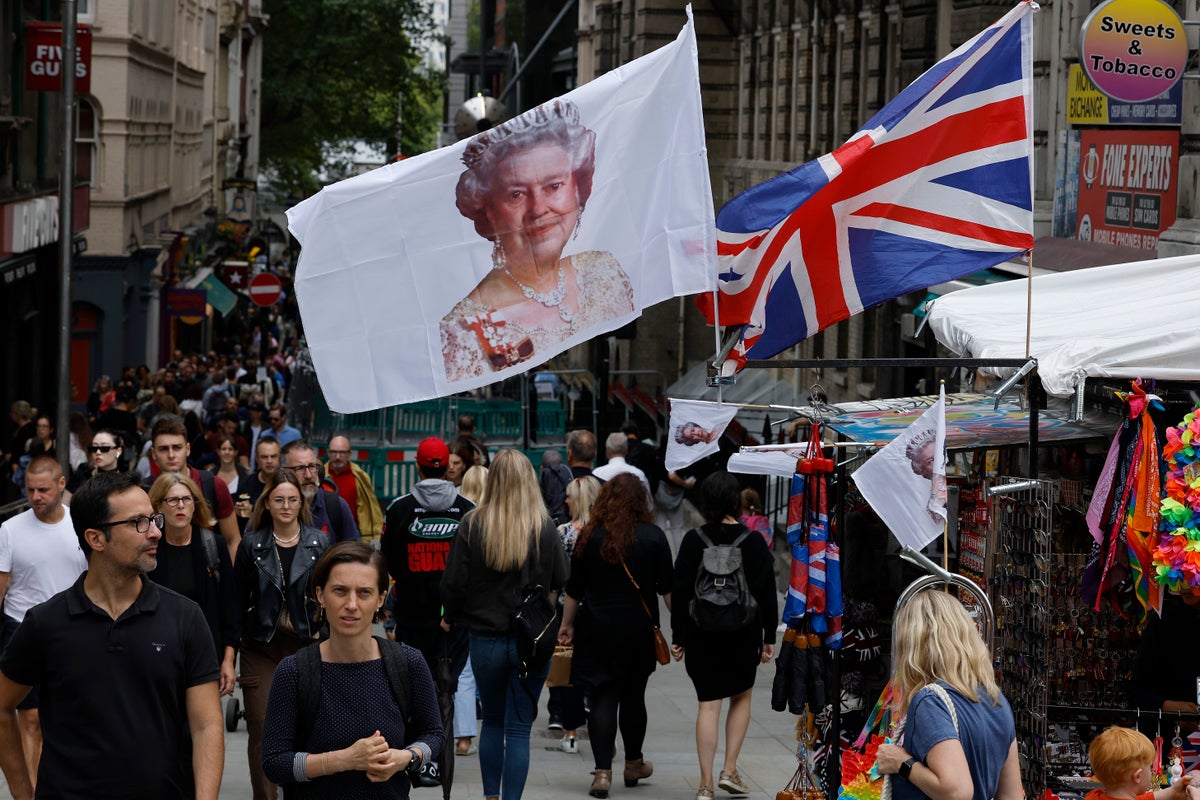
<point x="274" y="568"/>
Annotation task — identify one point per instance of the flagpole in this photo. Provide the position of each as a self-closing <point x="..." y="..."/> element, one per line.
<point x="717" y="337"/>
<point x="1029" y="308"/>
<point x="946" y="521"/>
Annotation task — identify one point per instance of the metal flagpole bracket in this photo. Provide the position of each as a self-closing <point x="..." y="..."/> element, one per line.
<point x="717" y="373"/>
<point x="1013" y="380"/>
<point x="937" y="576"/>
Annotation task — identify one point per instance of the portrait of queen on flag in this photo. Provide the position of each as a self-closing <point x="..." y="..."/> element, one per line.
<point x="460" y="267"/>
<point x="937" y="185"/>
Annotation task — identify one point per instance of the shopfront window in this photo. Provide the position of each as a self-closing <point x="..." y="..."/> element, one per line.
<point x="86" y="143"/>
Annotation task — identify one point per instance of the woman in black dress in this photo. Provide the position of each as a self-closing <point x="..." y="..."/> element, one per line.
<point x="621" y="563"/>
<point x="723" y="665"/>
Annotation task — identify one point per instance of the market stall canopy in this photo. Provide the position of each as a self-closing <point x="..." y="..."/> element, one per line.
<point x="1131" y="320"/>
<point x="972" y="422"/>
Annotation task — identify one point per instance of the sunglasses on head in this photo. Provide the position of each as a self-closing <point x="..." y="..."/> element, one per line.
<point x="101" y="448"/>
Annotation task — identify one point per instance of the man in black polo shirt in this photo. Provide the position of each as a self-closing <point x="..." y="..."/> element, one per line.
<point x="126" y="668"/>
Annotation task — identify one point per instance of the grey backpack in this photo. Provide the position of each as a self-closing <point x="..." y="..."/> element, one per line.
<point x="722" y="601"/>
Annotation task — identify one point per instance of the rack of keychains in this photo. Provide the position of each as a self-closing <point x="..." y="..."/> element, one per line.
<point x="1063" y="665"/>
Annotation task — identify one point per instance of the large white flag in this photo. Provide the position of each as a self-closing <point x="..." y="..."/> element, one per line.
<point x="905" y="482"/>
<point x="478" y="261"/>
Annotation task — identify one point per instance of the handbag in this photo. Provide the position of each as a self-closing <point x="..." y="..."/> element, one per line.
<point x="665" y="498"/>
<point x="802" y="786"/>
<point x="662" y="651"/>
<point x="534" y="625"/>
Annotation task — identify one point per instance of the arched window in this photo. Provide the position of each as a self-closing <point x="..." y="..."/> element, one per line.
<point x="86" y="143"/>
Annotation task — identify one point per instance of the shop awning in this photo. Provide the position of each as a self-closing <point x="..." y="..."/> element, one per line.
<point x="1133" y="320"/>
<point x="972" y="422"/>
<point x="219" y="296"/>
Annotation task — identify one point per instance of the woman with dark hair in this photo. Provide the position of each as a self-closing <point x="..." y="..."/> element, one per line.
<point x="361" y="743"/>
<point x="106" y="453"/>
<point x="273" y="568"/>
<point x="525" y="187"/>
<point x="621" y="564"/>
<point x="505" y="544"/>
<point x="194" y="561"/>
<point x="723" y="665"/>
<point x="228" y="468"/>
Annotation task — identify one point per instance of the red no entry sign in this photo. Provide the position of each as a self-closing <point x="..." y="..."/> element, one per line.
<point x="265" y="288"/>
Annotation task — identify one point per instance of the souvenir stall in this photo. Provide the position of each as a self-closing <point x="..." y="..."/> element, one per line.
<point x="1084" y="607"/>
<point x="1000" y="534"/>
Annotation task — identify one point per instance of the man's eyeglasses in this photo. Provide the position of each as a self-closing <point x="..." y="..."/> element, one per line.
<point x="101" y="448"/>
<point x="280" y="502"/>
<point x="141" y="524"/>
<point x="178" y="502"/>
<point x="313" y="467"/>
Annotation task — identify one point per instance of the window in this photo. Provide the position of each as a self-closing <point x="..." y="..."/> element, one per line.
<point x="86" y="143"/>
<point x="86" y="10"/>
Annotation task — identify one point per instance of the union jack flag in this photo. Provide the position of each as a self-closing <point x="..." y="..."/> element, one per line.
<point x="935" y="186"/>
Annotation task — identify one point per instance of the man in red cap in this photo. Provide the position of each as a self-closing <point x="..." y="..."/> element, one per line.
<point x="417" y="530"/>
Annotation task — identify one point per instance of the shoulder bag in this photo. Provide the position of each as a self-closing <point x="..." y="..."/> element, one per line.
<point x="534" y="624"/>
<point x="662" y="651"/>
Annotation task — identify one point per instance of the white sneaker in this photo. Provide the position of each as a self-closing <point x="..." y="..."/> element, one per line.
<point x="569" y="745"/>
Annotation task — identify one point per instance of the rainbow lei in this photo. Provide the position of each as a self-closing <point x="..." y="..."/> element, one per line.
<point x="858" y="769"/>
<point x="1177" y="552"/>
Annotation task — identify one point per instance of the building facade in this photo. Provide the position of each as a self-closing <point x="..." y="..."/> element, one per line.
<point x="784" y="81"/>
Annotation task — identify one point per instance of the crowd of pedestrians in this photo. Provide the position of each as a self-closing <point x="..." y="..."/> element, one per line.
<point x="198" y="544"/>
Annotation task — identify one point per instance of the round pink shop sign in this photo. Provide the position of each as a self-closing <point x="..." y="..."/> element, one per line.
<point x="1133" y="50"/>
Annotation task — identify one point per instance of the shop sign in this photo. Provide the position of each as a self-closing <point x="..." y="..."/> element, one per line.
<point x="1087" y="105"/>
<point x="43" y="57"/>
<point x="29" y="224"/>
<point x="189" y="305"/>
<point x="1133" y="50"/>
<point x="1127" y="186"/>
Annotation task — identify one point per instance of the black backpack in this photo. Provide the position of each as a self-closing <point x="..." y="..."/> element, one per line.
<point x="722" y="601"/>
<point x="308" y="684"/>
<point x="553" y="483"/>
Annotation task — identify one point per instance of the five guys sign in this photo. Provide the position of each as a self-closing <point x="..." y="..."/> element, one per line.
<point x="43" y="57"/>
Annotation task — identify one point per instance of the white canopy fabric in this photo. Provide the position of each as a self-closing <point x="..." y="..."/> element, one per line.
<point x="1135" y="320"/>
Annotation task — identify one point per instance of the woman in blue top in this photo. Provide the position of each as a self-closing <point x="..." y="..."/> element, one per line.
<point x="360" y="744"/>
<point x="959" y="737"/>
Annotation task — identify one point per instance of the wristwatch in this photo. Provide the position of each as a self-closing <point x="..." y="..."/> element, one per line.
<point x="414" y="764"/>
<point x="906" y="768"/>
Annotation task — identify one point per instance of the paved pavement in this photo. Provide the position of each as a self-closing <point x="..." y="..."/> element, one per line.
<point x="766" y="762"/>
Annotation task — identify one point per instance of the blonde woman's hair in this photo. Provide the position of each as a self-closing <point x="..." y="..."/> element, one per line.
<point x="582" y="492"/>
<point x="512" y="510"/>
<point x="935" y="639"/>
<point x="474" y="484"/>
<point x="202" y="516"/>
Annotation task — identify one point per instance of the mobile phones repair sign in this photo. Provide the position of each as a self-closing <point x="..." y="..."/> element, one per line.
<point x="1128" y="182"/>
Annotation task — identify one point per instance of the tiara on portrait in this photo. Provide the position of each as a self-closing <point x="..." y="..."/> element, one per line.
<point x="538" y="117"/>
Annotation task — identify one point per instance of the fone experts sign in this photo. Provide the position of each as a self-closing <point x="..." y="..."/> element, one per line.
<point x="28" y="225"/>
<point x="43" y="57"/>
<point x="1133" y="50"/>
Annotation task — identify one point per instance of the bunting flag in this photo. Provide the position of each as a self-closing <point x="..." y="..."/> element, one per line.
<point x="695" y="430"/>
<point x="905" y="482"/>
<point x="467" y="265"/>
<point x="935" y="186"/>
